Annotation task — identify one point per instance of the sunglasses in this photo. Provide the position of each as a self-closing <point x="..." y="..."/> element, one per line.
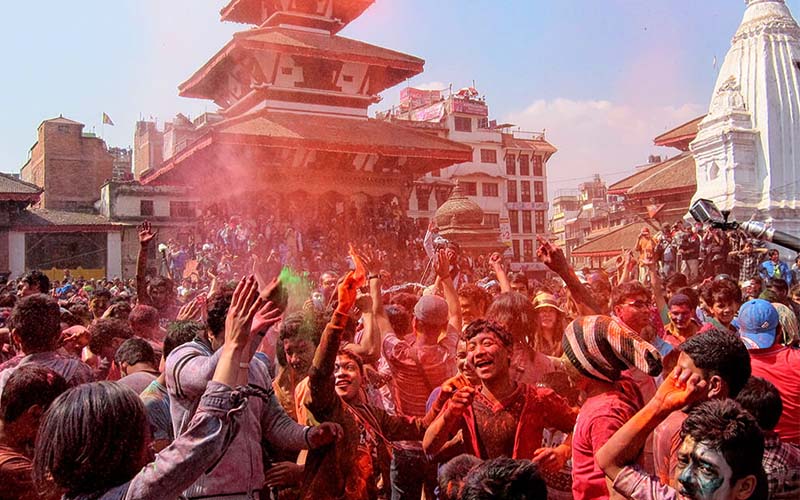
<point x="639" y="304"/>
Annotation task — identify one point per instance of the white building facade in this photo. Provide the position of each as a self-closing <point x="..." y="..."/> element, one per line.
<point x="507" y="176"/>
<point x="746" y="150"/>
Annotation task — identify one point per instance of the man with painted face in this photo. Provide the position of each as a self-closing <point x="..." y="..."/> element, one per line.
<point x="352" y="466"/>
<point x="298" y="338"/>
<point x="720" y="453"/>
<point x="506" y="418"/>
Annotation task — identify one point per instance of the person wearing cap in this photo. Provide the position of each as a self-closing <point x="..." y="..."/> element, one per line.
<point x="419" y="365"/>
<point x="598" y="351"/>
<point x="550" y="321"/>
<point x="759" y="328"/>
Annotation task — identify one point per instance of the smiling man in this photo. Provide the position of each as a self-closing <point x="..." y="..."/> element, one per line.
<point x="506" y="418"/>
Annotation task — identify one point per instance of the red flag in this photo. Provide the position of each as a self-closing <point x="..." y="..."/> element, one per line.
<point x="107" y="120"/>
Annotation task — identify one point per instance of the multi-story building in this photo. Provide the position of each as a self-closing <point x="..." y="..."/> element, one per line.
<point x="506" y="177"/>
<point x="69" y="164"/>
<point x="172" y="211"/>
<point x="121" y="166"/>
<point x="566" y="205"/>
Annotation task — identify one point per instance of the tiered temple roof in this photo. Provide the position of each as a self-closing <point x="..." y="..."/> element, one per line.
<point x="295" y="97"/>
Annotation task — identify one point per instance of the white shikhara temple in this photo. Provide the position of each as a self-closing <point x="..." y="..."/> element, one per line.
<point x="747" y="149"/>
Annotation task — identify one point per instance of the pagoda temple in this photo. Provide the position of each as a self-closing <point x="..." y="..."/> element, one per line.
<point x="293" y="98"/>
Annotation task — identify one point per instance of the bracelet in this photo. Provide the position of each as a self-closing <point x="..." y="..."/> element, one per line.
<point x="244" y="365"/>
<point x="305" y="436"/>
<point x="373" y="277"/>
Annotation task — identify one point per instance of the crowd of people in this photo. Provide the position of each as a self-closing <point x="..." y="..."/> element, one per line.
<point x="405" y="371"/>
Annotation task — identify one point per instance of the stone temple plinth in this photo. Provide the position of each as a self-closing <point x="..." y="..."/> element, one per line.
<point x="747" y="149"/>
<point x="460" y="220"/>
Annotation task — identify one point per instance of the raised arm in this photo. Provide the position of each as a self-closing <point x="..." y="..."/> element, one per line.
<point x="621" y="450"/>
<point x="320" y="376"/>
<point x="496" y="263"/>
<point x="210" y="431"/>
<point x="146" y="235"/>
<point x="554" y="258"/>
<point x="442" y="266"/>
<point x="369" y="348"/>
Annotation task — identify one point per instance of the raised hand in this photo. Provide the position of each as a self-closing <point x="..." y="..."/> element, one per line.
<point x="146" y="233"/>
<point x="363" y="302"/>
<point x="244" y="305"/>
<point x="265" y="318"/>
<point x="549" y="254"/>
<point x="441" y="264"/>
<point x="346" y="293"/>
<point x="496" y="260"/>
<point x="680" y="389"/>
<point x="190" y="311"/>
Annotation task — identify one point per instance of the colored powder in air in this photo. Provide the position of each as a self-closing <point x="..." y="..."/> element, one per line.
<point x="298" y="286"/>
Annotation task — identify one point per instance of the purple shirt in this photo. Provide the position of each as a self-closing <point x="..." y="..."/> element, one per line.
<point x="74" y="371"/>
<point x="634" y="484"/>
<point x="177" y="466"/>
<point x="138" y="381"/>
<point x="241" y="469"/>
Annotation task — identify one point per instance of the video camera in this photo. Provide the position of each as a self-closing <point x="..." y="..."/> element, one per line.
<point x="706" y="211"/>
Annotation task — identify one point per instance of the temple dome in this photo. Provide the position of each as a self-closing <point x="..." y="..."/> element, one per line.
<point x="458" y="210"/>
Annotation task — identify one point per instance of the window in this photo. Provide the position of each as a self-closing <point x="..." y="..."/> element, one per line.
<point x="527" y="246"/>
<point x="490" y="189"/>
<point x="492" y="220"/>
<point x="146" y="208"/>
<point x="526" y="191"/>
<point x="488" y="156"/>
<point x="512" y="190"/>
<point x="181" y="209"/>
<point x="538" y="191"/>
<point x="513" y="220"/>
<point x="523" y="165"/>
<point x="469" y="188"/>
<point x="463" y="124"/>
<point x="511" y="165"/>
<point x="483" y="122"/>
<point x="347" y="78"/>
<point x="286" y="70"/>
<point x="63" y="128"/>
<point x="515" y="245"/>
<point x="539" y="220"/>
<point x="423" y="200"/>
<point x="538" y="171"/>
<point x="526" y="222"/>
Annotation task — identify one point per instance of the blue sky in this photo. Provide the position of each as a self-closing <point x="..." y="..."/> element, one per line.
<point x="602" y="77"/>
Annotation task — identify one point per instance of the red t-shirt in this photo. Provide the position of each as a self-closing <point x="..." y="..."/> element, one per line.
<point x="599" y="418"/>
<point x="781" y="366"/>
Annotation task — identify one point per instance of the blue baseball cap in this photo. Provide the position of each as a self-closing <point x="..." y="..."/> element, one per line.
<point x="758" y="323"/>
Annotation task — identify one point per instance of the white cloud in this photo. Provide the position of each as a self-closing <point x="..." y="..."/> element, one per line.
<point x="600" y="136"/>
<point x="431" y="86"/>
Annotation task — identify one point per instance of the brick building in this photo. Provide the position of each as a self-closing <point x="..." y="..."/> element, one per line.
<point x="69" y="164"/>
